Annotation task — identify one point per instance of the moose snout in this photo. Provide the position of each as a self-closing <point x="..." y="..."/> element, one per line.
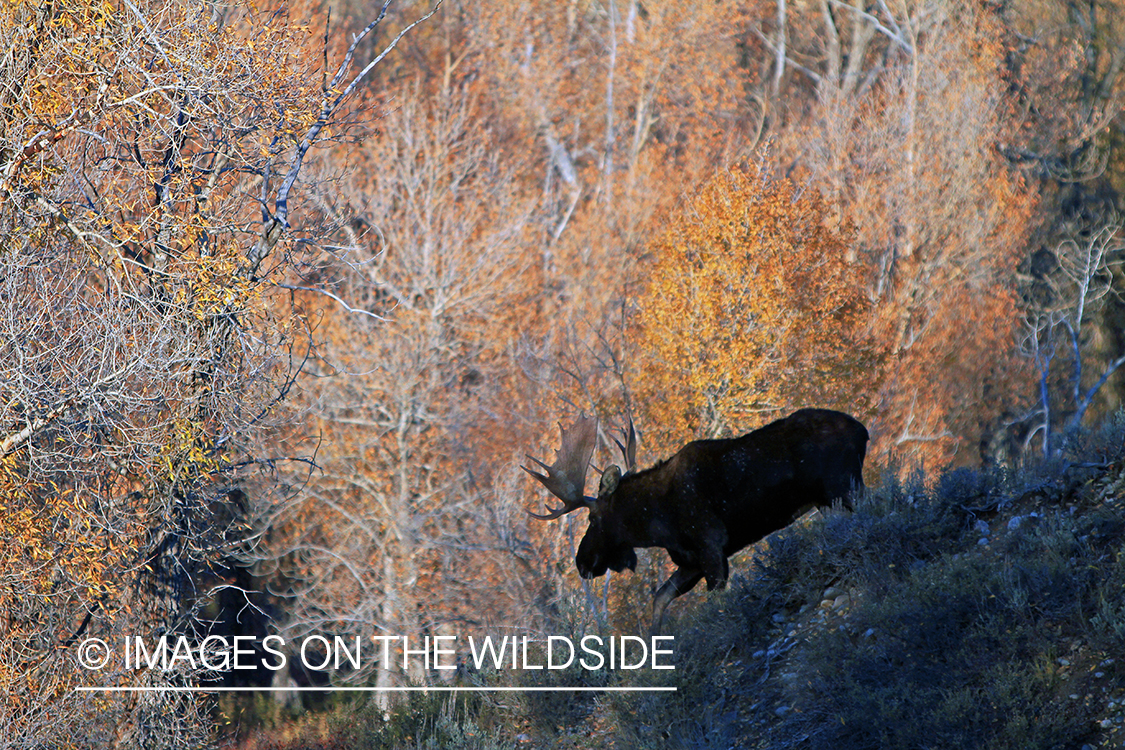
<point x="590" y="568"/>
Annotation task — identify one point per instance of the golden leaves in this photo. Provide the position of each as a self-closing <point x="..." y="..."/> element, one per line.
<point x="136" y="346"/>
<point x="751" y="308"/>
<point x="214" y="285"/>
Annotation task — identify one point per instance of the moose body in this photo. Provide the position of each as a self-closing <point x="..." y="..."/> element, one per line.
<point x="710" y="499"/>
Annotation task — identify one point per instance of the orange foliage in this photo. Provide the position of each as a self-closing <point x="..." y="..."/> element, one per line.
<point x="752" y="309"/>
<point x="902" y="137"/>
<point x="496" y="209"/>
<point x="137" y="354"/>
<point x="948" y="234"/>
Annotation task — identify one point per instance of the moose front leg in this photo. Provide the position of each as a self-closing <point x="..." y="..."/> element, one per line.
<point x="680" y="582"/>
<point x="716" y="571"/>
<point x="712" y="562"/>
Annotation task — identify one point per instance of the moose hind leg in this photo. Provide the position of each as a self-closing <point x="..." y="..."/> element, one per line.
<point x="680" y="582"/>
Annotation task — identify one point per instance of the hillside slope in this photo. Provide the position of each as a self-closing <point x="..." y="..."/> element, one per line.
<point x="982" y="610"/>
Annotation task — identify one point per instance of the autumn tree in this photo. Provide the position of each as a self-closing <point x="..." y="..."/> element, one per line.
<point x="753" y="307"/>
<point x="499" y="243"/>
<point x="899" y="114"/>
<point x="150" y="158"/>
<point x="623" y="106"/>
<point x="406" y="390"/>
<point x="1067" y="62"/>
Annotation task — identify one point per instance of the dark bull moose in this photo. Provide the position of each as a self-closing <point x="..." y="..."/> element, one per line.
<point x="709" y="500"/>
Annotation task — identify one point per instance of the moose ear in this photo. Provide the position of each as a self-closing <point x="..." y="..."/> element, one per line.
<point x="610" y="477"/>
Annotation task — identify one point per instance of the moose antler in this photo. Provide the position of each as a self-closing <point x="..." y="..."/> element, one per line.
<point x="566" y="478"/>
<point x="629" y="449"/>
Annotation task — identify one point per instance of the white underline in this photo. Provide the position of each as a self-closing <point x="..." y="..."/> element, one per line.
<point x="436" y="689"/>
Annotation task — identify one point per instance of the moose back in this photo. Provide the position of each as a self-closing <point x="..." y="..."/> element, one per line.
<point x="710" y="499"/>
